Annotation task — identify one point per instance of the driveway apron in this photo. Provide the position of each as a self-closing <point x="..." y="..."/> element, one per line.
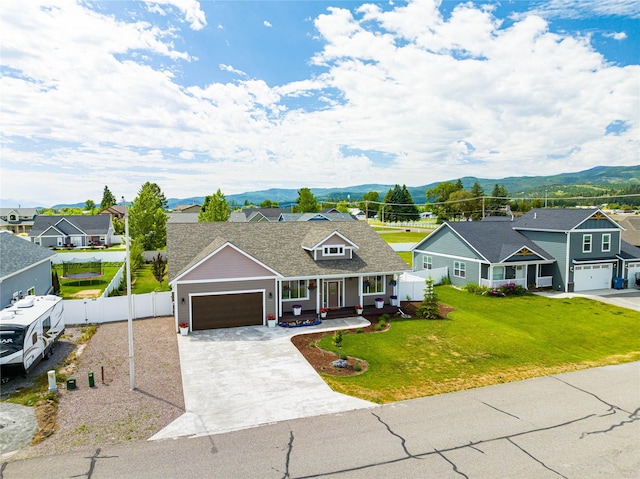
<point x="239" y="378"/>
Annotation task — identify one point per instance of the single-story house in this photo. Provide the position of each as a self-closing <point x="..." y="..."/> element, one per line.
<point x="227" y="274"/>
<point x="564" y="249"/>
<point x="115" y="211"/>
<point x="72" y="231"/>
<point x="25" y="269"/>
<point x="17" y="220"/>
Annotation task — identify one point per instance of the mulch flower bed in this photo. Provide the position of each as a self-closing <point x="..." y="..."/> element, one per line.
<point x="321" y="360"/>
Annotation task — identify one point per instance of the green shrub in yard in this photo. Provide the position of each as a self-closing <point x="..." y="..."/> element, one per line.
<point x="378" y="327"/>
<point x="358" y="367"/>
<point x="337" y="338"/>
<point x="475" y="288"/>
<point x="510" y="289"/>
<point x="343" y="355"/>
<point x="382" y="323"/>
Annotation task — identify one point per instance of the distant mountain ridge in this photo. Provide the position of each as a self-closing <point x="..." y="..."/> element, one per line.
<point x="603" y="176"/>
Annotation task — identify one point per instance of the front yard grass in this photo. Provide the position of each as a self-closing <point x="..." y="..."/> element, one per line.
<point x="487" y="341"/>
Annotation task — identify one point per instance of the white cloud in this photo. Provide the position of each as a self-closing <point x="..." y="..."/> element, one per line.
<point x="586" y="8"/>
<point x="92" y="97"/>
<point x="189" y="8"/>
<point x="267" y="24"/>
<point x="615" y="35"/>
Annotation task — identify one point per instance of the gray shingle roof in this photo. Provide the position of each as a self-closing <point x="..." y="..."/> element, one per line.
<point x="90" y="225"/>
<point x="279" y="246"/>
<point x="17" y="254"/>
<point x="629" y="251"/>
<point x="495" y="240"/>
<point x="556" y="219"/>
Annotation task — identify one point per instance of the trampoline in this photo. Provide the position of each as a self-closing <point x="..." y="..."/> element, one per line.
<point x="82" y="270"/>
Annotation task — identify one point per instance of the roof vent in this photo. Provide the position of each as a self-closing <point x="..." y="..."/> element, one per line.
<point x="26" y="302"/>
<point x="535" y="215"/>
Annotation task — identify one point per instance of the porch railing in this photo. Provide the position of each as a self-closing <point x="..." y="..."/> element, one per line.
<point x="496" y="283"/>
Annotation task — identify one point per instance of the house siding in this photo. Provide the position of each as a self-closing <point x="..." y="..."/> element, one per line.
<point x="38" y="277"/>
<point x="184" y="290"/>
<point x="446" y="242"/>
<point x="226" y="263"/>
<point x="554" y="244"/>
<point x="576" y="238"/>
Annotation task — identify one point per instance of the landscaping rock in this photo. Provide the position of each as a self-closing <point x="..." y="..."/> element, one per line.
<point x="339" y="363"/>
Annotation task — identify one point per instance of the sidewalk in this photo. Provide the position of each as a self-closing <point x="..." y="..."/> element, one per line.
<point x="625" y="298"/>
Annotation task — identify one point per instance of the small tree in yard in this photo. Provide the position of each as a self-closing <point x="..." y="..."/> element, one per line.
<point x="55" y="282"/>
<point x="429" y="309"/>
<point x="159" y="268"/>
<point x="337" y="338"/>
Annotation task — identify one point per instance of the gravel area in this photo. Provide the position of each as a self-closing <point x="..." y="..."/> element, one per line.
<point x="110" y="413"/>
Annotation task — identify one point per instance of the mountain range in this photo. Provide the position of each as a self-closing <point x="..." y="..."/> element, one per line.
<point x="594" y="181"/>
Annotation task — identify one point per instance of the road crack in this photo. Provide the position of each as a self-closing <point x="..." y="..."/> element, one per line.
<point x="403" y="441"/>
<point x="92" y="464"/>
<point x="536" y="459"/>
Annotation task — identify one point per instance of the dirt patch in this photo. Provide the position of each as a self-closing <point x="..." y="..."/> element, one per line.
<point x="322" y="360"/>
<point x="87" y="294"/>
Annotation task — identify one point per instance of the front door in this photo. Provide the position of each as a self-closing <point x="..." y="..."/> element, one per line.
<point x="333" y="293"/>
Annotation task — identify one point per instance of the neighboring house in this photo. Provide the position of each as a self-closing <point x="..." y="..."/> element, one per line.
<point x="229" y="274"/>
<point x="115" y="211"/>
<point x="566" y="249"/>
<point x="25" y="269"/>
<point x="631" y="225"/>
<point x="329" y="216"/>
<point x="72" y="231"/>
<point x="192" y="208"/>
<point x="17" y="220"/>
<point x="257" y="215"/>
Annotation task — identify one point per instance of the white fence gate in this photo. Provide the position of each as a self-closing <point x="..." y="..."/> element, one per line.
<point x="411" y="285"/>
<point x="106" y="310"/>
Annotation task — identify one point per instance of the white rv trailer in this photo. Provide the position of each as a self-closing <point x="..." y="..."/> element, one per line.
<point x="28" y="331"/>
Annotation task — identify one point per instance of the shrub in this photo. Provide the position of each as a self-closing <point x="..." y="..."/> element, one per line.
<point x="382" y="323"/>
<point x="378" y="327"/>
<point x="359" y="330"/>
<point x="385" y="317"/>
<point x="429" y="308"/>
<point x="337" y="338"/>
<point x="343" y="355"/>
<point x="358" y="367"/>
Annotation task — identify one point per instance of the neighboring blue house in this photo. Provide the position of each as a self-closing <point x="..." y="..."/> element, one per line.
<point x="72" y="231"/>
<point x="25" y="269"/>
<point x="566" y="249"/>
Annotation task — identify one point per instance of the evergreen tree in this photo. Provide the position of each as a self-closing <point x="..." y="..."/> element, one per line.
<point x="108" y="199"/>
<point x="408" y="210"/>
<point x="429" y="309"/>
<point x="477" y="192"/>
<point x="215" y="208"/>
<point x="159" y="268"/>
<point x="307" y="202"/>
<point x="55" y="282"/>
<point x="147" y="220"/>
<point x="389" y="209"/>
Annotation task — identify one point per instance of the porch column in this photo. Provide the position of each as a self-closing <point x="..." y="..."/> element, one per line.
<point x="360" y="296"/>
<point x="319" y="291"/>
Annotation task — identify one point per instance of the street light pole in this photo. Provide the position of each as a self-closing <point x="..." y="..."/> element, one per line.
<point x="132" y="379"/>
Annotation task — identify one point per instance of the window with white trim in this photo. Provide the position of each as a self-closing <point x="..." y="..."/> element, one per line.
<point x="606" y="242"/>
<point x="373" y="284"/>
<point x="427" y="262"/>
<point x="498" y="273"/>
<point x="586" y="243"/>
<point x="333" y="250"/>
<point x="459" y="269"/>
<point x="31" y="291"/>
<point x="296" y="289"/>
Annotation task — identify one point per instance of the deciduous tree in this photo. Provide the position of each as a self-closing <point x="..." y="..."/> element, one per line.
<point x="215" y="208"/>
<point x="147" y="220"/>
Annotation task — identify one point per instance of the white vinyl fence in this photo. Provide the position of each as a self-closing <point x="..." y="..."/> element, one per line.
<point x="106" y="310"/>
<point x="411" y="285"/>
<point x="115" y="282"/>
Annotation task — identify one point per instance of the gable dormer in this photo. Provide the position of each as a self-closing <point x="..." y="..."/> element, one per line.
<point x="330" y="247"/>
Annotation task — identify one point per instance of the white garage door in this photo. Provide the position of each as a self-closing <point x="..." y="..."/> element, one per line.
<point x="592" y="276"/>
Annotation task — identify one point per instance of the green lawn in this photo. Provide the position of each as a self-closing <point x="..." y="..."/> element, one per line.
<point x="70" y="288"/>
<point x="146" y="283"/>
<point x="404" y="237"/>
<point x="487" y="341"/>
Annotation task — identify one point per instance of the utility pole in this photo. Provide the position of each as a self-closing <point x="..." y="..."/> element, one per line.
<point x="132" y="379"/>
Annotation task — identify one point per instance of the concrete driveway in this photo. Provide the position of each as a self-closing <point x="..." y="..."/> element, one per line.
<point x="625" y="298"/>
<point x="238" y="378"/>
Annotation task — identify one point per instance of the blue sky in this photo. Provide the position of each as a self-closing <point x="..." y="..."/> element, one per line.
<point x="249" y="95"/>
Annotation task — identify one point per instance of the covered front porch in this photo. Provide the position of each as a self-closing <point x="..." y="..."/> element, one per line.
<point x="337" y="313"/>
<point x="527" y="275"/>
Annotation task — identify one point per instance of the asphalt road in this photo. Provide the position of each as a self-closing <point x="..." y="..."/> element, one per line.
<point x="583" y="425"/>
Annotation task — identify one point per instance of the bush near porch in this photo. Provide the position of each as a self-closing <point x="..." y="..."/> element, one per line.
<point x="487" y="341"/>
